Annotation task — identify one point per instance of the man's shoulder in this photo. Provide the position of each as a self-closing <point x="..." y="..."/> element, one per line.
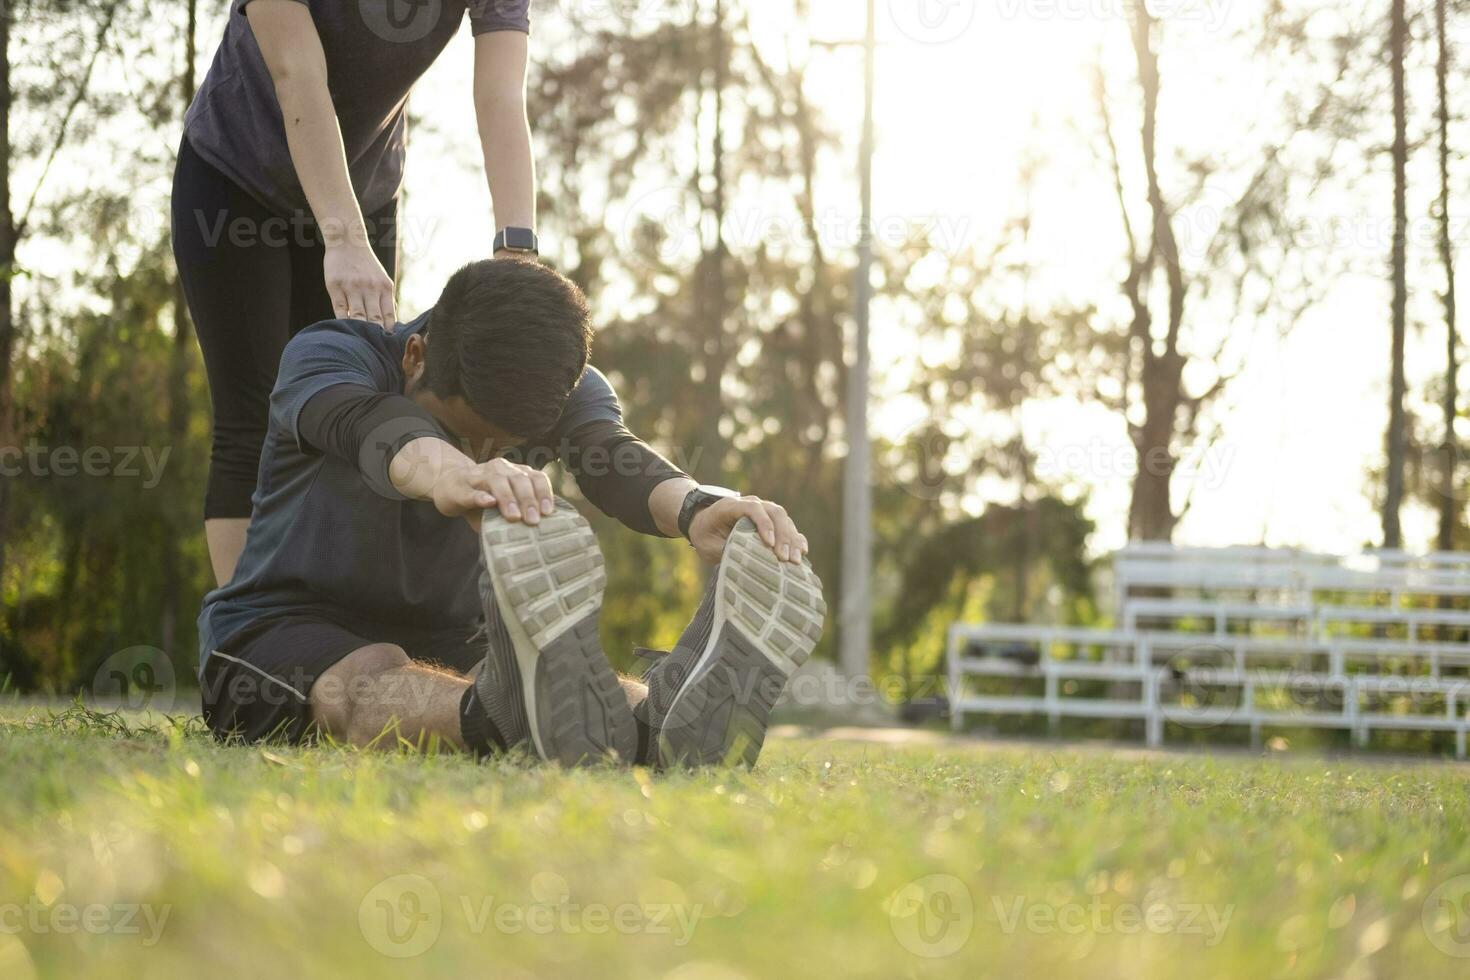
<point x="354" y="333"/>
<point x="358" y="343"/>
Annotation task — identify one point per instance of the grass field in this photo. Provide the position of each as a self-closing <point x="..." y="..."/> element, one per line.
<point x="133" y="849"/>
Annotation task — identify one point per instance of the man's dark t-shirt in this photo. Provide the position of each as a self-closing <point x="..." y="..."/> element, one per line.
<point x="324" y="539"/>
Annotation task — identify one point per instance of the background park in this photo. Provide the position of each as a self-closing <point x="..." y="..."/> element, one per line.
<point x="983" y="292"/>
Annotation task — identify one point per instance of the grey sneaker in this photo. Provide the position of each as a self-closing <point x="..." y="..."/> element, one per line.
<point x="710" y="698"/>
<point x="545" y="678"/>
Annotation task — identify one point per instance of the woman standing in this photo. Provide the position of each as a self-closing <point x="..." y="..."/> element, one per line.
<point x="285" y="201"/>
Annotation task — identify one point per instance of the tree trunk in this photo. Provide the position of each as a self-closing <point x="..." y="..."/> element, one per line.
<point x="7" y="276"/>
<point x="178" y="379"/>
<point x="712" y="283"/>
<point x="1393" y="496"/>
<point x="1151" y="515"/>
<point x="1449" y="502"/>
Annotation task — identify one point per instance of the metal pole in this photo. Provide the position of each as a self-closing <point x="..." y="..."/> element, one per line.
<point x="855" y="608"/>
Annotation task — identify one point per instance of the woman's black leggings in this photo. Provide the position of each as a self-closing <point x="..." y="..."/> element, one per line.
<point x="252" y="279"/>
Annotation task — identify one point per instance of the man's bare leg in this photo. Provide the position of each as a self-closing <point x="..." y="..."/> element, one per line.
<point x="376" y="696"/>
<point x="634" y="689"/>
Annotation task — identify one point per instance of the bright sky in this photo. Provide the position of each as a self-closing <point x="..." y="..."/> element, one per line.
<point x="965" y="91"/>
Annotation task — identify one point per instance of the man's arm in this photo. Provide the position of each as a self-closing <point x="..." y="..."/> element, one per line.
<point x="397" y="447"/>
<point x="624" y="478"/>
<point x="712" y="526"/>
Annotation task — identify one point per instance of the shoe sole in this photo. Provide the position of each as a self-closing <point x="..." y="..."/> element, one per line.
<point x="548" y="583"/>
<point x="768" y="617"/>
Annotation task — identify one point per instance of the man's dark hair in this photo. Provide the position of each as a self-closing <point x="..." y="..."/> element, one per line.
<point x="511" y="337"/>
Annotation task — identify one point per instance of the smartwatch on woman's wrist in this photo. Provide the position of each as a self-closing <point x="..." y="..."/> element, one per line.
<point x="521" y="240"/>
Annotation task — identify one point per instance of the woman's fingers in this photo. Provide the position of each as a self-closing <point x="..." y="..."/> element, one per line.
<point x="389" y="307"/>
<point x="370" y="309"/>
<point x="339" y="300"/>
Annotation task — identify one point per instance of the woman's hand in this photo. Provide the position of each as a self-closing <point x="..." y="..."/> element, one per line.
<point x="356" y="281"/>
<point x="359" y="286"/>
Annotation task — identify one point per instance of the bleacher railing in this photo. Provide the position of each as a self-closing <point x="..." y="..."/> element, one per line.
<point x="1247" y="637"/>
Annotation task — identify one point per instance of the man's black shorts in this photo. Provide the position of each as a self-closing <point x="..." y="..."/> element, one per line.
<point x="256" y="688"/>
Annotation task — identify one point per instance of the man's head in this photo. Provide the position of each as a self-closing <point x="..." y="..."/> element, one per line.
<point x="506" y="344"/>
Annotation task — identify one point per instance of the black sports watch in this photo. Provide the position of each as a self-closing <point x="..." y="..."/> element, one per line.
<point x="697" y="500"/>
<point x="517" y="240"/>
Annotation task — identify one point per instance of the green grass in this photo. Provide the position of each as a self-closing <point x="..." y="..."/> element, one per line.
<point x="274" y="862"/>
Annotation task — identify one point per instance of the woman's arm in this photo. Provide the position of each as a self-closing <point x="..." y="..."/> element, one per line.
<point x="356" y="281"/>
<point x="505" y="136"/>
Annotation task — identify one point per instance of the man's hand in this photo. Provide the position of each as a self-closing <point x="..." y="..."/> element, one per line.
<point x="712" y="526"/>
<point x="522" y="493"/>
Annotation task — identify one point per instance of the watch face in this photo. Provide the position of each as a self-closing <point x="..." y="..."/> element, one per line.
<point x="519" y="239"/>
<point x="720" y="491"/>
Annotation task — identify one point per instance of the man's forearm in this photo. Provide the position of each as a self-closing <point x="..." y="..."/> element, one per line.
<point x="623" y="477"/>
<point x="419" y="466"/>
<point x="665" y="502"/>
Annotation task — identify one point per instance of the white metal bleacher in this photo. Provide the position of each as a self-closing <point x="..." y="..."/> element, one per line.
<point x="1251" y="637"/>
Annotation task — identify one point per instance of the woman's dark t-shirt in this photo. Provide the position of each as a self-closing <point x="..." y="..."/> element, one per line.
<point x="375" y="49"/>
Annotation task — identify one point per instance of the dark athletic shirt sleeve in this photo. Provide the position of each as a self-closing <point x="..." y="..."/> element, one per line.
<point x="327" y="355"/>
<point x="363" y="427"/>
<point x="615" y="470"/>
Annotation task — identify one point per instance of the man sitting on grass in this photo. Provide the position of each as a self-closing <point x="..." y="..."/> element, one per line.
<point x="409" y="575"/>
